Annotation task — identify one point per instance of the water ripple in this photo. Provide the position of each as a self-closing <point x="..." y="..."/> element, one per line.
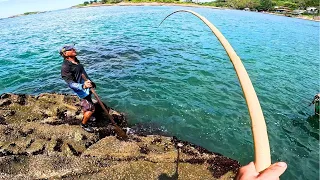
<point x="178" y="76"/>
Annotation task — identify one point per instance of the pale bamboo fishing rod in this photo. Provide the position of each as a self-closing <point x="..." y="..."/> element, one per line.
<point x="262" y="158"/>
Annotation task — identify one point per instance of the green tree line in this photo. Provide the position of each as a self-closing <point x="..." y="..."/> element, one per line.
<point x="264" y="5"/>
<point x="261" y="5"/>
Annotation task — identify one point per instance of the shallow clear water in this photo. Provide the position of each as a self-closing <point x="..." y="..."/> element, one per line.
<point x="178" y="76"/>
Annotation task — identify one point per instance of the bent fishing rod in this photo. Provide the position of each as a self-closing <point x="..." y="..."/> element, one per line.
<point x="262" y="157"/>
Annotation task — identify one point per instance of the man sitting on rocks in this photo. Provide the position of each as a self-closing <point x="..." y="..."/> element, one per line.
<point x="71" y="72"/>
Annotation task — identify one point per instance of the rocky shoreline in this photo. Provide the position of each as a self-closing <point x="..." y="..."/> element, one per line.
<point x="147" y="4"/>
<point x="27" y="13"/>
<point x="41" y="139"/>
<point x="316" y="18"/>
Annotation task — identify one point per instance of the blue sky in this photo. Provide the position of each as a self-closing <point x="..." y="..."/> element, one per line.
<point x="14" y="7"/>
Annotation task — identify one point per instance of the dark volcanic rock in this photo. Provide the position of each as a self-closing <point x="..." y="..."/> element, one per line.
<point x="5" y="102"/>
<point x="2" y="120"/>
<point x="221" y="165"/>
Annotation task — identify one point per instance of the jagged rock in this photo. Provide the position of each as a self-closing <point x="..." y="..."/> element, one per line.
<point x="78" y="136"/>
<point x="3" y="120"/>
<point x="37" y="147"/>
<point x="5" y="102"/>
<point x="52" y="147"/>
<point x="5" y="95"/>
<point x="113" y="148"/>
<point x="41" y="139"/>
<point x="77" y="149"/>
<point x="66" y="150"/>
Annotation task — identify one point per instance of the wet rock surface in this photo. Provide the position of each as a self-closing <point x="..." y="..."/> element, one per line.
<point x="41" y="139"/>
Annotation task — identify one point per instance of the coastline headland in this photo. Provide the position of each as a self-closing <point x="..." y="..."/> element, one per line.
<point x="317" y="18"/>
<point x="27" y="13"/>
<point x="147" y="4"/>
<point x="41" y="139"/>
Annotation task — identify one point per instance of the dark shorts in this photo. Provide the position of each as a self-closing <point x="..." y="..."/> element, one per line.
<point x="87" y="104"/>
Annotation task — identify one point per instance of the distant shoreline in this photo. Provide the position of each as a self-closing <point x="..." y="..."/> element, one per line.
<point x="148" y="4"/>
<point x="166" y="4"/>
<point x="26" y="14"/>
<point x="186" y="5"/>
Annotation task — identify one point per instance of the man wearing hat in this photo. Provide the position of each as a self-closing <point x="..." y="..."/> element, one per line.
<point x="71" y="72"/>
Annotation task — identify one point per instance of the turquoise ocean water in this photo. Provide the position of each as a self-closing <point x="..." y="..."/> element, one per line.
<point x="178" y="77"/>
